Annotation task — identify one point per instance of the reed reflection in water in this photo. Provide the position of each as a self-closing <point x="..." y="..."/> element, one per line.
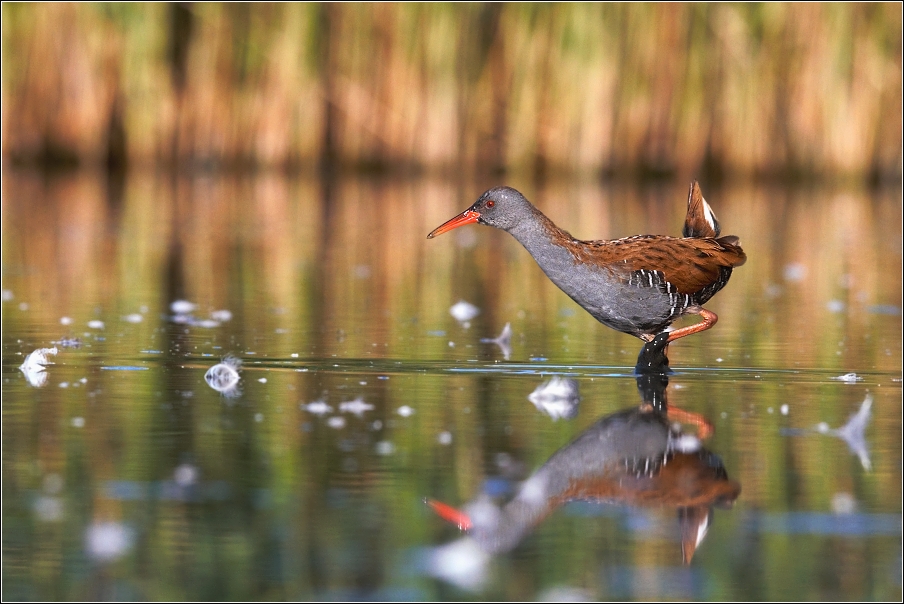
<point x="349" y="252"/>
<point x="143" y="482"/>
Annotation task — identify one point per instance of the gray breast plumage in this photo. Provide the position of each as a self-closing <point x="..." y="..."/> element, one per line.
<point x="634" y="302"/>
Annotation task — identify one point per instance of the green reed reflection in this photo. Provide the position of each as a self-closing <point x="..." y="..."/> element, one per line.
<point x="148" y="484"/>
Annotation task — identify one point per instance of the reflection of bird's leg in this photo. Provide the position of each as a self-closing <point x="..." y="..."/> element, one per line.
<point x="652" y="371"/>
<point x="704" y="427"/>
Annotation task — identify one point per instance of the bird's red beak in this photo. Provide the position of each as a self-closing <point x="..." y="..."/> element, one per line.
<point x="466" y="217"/>
<point x="450" y="514"/>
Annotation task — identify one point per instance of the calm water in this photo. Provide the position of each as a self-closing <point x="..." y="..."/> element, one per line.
<point x="126" y="475"/>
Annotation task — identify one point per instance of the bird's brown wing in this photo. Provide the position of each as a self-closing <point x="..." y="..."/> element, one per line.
<point x="690" y="264"/>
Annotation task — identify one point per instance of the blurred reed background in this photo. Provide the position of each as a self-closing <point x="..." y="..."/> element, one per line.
<point x="762" y="90"/>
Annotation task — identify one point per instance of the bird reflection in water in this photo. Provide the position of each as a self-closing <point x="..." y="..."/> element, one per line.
<point x="638" y="457"/>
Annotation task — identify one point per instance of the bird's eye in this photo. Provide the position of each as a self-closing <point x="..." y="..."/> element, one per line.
<point x="491" y="203"/>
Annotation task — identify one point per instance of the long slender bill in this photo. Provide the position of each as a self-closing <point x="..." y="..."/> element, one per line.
<point x="466" y="217"/>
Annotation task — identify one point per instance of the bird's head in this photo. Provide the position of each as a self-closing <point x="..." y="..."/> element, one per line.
<point x="500" y="207"/>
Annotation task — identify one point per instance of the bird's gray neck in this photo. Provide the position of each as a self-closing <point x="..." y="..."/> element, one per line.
<point x="542" y="239"/>
<point x="536" y="232"/>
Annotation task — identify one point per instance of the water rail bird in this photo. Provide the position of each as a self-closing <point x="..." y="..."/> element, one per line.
<point x="636" y="285"/>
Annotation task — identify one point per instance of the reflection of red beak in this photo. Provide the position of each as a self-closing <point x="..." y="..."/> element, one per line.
<point x="450" y="514"/>
<point x="466" y="217"/>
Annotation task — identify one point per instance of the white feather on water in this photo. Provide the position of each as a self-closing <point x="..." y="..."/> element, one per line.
<point x="224" y="377"/>
<point x="34" y="366"/>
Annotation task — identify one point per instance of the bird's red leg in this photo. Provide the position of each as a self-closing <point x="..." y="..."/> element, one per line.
<point x="709" y="319"/>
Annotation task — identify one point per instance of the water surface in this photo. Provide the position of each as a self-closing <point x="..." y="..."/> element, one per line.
<point x="127" y="476"/>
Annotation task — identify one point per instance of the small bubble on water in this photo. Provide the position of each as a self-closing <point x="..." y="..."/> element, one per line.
<point x="835" y="306"/>
<point x="221" y="315"/>
<point x="48" y="509"/>
<point x="358" y="406"/>
<point x="182" y="307"/>
<point x="186" y="475"/>
<point x="844" y="503"/>
<point x="464" y="311"/>
<point x="107" y="541"/>
<point x="318" y="407"/>
<point x="795" y="272"/>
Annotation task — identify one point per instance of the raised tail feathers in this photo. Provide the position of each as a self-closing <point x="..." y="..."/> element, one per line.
<point x="700" y="220"/>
